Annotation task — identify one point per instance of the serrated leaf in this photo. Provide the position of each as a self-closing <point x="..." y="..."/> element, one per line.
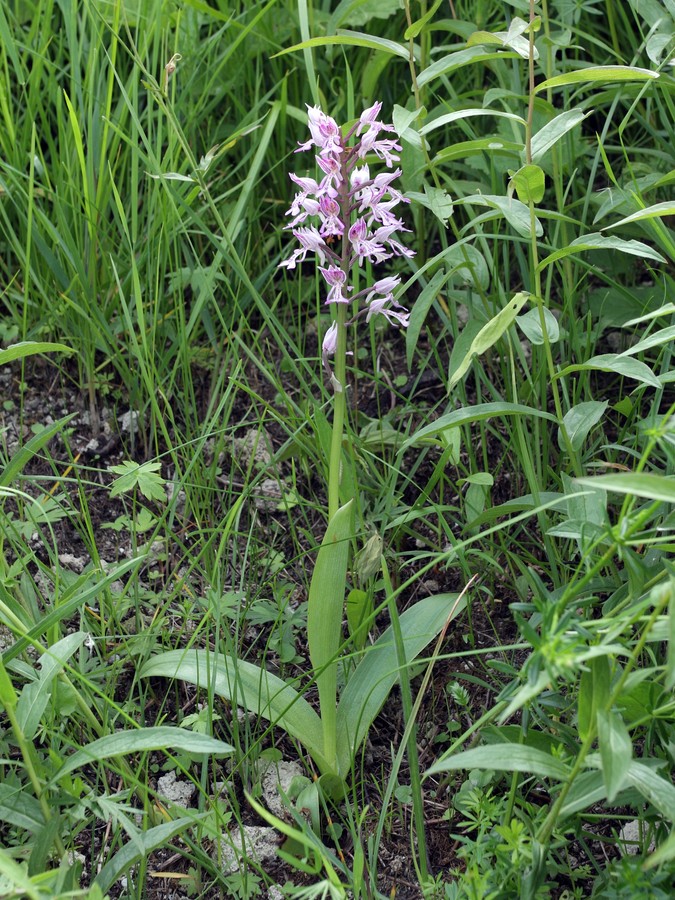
<point x="144" y="476"/>
<point x="505" y="758"/>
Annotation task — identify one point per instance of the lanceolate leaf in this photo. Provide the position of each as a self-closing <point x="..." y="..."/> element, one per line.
<point x="324" y="618"/>
<point x="376" y="674"/>
<point x="602" y="242"/>
<point x="619" y="365"/>
<point x="616" y="751"/>
<point x="594" y="74"/>
<point x="252" y="687"/>
<point x="489" y="334"/>
<point x="640" y="484"/>
<point x="551" y="133"/>
<point x="141" y="740"/>
<point x="149" y="840"/>
<point x="29" y="348"/>
<point x="469" y="414"/>
<point x="505" y="758"/>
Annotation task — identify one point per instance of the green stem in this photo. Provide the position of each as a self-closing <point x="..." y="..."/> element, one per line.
<point x="339" y="409"/>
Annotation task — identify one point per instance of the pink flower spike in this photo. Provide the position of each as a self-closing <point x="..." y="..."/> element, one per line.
<point x="335" y="277"/>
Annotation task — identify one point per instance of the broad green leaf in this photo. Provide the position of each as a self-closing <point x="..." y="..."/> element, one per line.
<point x="551" y="133"/>
<point x="469" y="414"/>
<point x="489" y="334"/>
<point x="403" y="118"/>
<point x="457" y="60"/>
<point x="659" y="792"/>
<point x="492" y="144"/>
<point x="30" y="348"/>
<point x="250" y="686"/>
<point x="594" y="74"/>
<point x="437" y="200"/>
<point x="513" y="38"/>
<point x="587" y="790"/>
<point x="529" y="183"/>
<point x="377" y="673"/>
<point x="530" y="325"/>
<point x="663" y="336"/>
<point x="324" y="618"/>
<point x="149" y="840"/>
<point x="517" y="214"/>
<point x="598" y="241"/>
<point x="593" y="694"/>
<point x="19" y="808"/>
<point x="36" y="694"/>
<point x="420" y="310"/>
<point x="360" y="12"/>
<point x="616" y="751"/>
<point x="351" y="39"/>
<point x="651" y="212"/>
<point x="579" y="420"/>
<point x="505" y="758"/>
<point x="142" y="740"/>
<point x="618" y="365"/>
<point x="638" y="484"/>
<point x="448" y="118"/>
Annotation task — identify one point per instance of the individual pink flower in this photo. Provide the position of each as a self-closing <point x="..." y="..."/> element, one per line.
<point x="335" y="278"/>
<point x="325" y="132"/>
<point x="310" y="241"/>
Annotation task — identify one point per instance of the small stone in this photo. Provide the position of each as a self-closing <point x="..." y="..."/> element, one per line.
<point x="632" y="838"/>
<point x="70" y="561"/>
<point x="254" y="447"/>
<point x="178" y="792"/>
<point x="276" y="780"/>
<point x="251" y="842"/>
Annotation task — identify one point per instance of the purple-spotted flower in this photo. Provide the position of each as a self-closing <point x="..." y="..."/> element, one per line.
<point x="355" y="213"/>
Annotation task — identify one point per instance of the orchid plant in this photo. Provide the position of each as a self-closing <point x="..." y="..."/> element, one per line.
<point x="344" y="219"/>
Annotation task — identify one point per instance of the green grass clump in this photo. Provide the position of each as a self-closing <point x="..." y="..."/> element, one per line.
<point x="162" y="486"/>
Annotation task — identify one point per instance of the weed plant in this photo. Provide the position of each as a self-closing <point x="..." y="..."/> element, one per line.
<point x="165" y="444"/>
